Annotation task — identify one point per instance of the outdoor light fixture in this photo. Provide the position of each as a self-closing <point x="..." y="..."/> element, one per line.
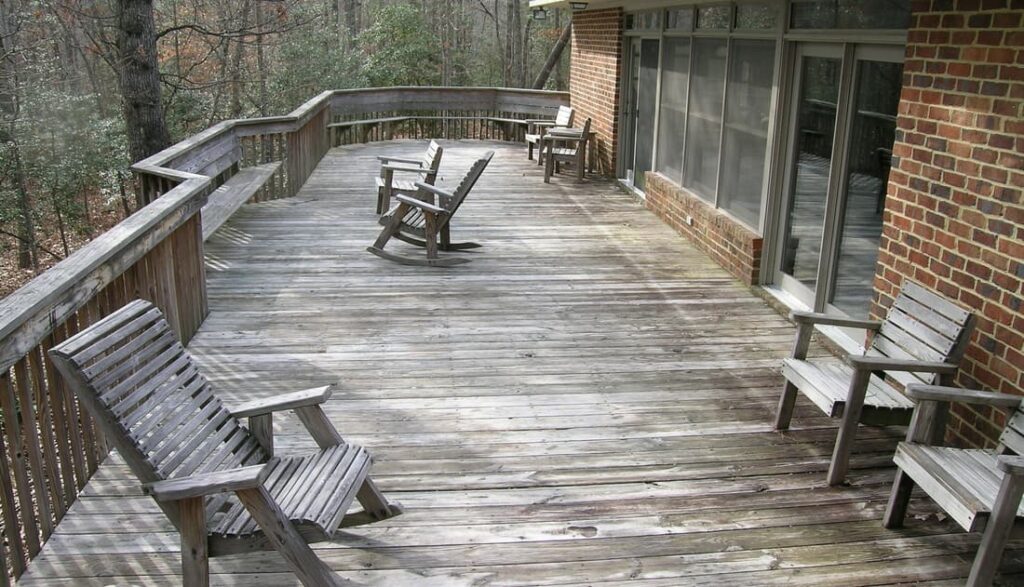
<point x="540" y="13"/>
<point x="578" y="5"/>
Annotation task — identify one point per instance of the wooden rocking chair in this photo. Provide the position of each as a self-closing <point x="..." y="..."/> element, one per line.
<point x="425" y="168"/>
<point x="218" y="481"/>
<point x="422" y="217"/>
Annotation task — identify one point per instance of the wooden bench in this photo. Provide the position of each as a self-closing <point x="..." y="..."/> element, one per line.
<point x="980" y="489"/>
<point x="230" y="196"/>
<point x="922" y="338"/>
<point x="218" y="482"/>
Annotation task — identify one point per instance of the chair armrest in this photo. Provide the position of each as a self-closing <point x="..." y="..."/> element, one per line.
<point x="939" y="393"/>
<point x="385" y="159"/>
<point x="207" y="483"/>
<point x="433" y="189"/>
<point x="830" y="320"/>
<point x="286" y="401"/>
<point x="403" y="168"/>
<point x="1012" y="464"/>
<point x="420" y="204"/>
<point x="862" y="363"/>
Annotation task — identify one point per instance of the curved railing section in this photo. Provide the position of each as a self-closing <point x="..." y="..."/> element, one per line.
<point x="48" y="447"/>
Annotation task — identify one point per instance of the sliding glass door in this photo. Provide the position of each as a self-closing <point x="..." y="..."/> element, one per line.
<point x="843" y="126"/>
<point x="642" y="88"/>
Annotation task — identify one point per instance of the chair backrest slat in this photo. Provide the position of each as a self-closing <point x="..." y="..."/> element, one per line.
<point x="432" y="161"/>
<point x="146" y="392"/>
<point x="1012" y="437"/>
<point x="922" y="326"/>
<point x="466" y="185"/>
<point x="564" y="116"/>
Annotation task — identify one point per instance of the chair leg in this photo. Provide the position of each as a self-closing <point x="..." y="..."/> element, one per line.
<point x="374" y="502"/>
<point x="848" y="427"/>
<point x="391" y="227"/>
<point x="430" y="228"/>
<point x="278" y="529"/>
<point x="195" y="560"/>
<point x="446" y="237"/>
<point x="529" y="150"/>
<point x="784" y="413"/>
<point x="579" y="165"/>
<point x="899" y="498"/>
<point x="997" y="531"/>
<point x="549" y="166"/>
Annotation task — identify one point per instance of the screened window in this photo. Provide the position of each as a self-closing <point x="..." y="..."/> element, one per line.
<point x="745" y="139"/>
<point x="704" y="117"/>
<point x="675" y="70"/>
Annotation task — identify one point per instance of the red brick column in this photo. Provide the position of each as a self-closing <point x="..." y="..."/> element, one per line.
<point x="954" y="217"/>
<point x="595" y="77"/>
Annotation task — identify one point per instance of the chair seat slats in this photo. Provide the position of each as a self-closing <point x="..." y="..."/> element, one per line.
<point x="827" y="382"/>
<point x="340" y="469"/>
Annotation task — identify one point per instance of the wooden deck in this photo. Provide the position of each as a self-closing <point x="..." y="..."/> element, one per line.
<point x="589" y="402"/>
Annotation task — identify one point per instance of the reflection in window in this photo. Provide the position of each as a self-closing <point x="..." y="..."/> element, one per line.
<point x="746" y="129"/>
<point x="756" y="16"/>
<point x="675" y="69"/>
<point x="868" y="159"/>
<point x="713" y="17"/>
<point x="850" y="14"/>
<point x="679" y="19"/>
<point x="704" y="119"/>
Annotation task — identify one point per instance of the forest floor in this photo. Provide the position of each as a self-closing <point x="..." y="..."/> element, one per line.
<point x="102" y="216"/>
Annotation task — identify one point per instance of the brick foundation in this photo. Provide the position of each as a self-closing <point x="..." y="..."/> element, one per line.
<point x="595" y="78"/>
<point x="729" y="243"/>
<point x="954" y="217"/>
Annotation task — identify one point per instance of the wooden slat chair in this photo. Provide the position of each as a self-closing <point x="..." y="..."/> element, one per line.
<point x="420" y="219"/>
<point x="218" y="481"/>
<point x="566" y="145"/>
<point x="536" y="128"/>
<point x="980" y="489"/>
<point x="425" y="169"/>
<point x="922" y="339"/>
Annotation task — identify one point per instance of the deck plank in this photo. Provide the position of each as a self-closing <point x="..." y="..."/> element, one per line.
<point x="588" y="402"/>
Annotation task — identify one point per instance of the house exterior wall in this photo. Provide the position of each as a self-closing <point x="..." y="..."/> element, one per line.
<point x="954" y="216"/>
<point x="731" y="244"/>
<point x="596" y="69"/>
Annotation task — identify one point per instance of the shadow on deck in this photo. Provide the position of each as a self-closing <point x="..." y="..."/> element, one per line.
<point x="588" y="402"/>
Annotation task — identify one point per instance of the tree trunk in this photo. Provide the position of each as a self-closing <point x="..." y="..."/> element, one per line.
<point x="553" y="58"/>
<point x="139" y="80"/>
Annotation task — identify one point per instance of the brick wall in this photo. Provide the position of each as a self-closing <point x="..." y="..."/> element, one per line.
<point x="595" y="74"/>
<point x="729" y="243"/>
<point x="954" y="217"/>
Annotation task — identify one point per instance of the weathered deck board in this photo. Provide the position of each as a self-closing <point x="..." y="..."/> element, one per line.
<point x="588" y="402"/>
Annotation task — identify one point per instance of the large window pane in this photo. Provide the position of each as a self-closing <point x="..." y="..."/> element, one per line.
<point x="704" y="119"/>
<point x="675" y="70"/>
<point x="746" y="129"/>
<point x="868" y="159"/>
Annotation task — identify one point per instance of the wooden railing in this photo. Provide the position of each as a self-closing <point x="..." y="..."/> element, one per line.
<point x="49" y="448"/>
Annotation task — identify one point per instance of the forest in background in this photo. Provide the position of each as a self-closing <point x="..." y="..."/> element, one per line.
<point x="66" y="65"/>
